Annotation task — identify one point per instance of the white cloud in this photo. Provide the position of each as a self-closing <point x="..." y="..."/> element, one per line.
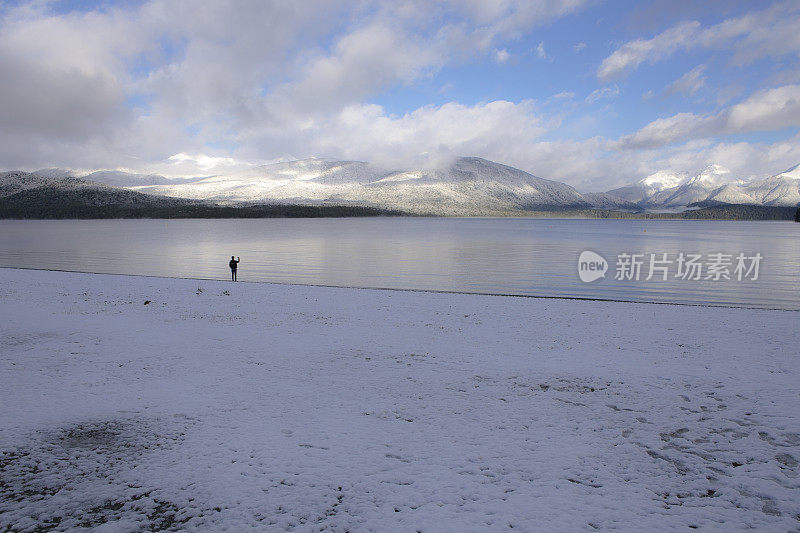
<point x="540" y="53"/>
<point x="510" y="17"/>
<point x="222" y="74"/>
<point x="689" y="83"/>
<point x="667" y="130"/>
<point x="61" y="84"/>
<point x="362" y="63"/>
<point x="729" y="92"/>
<point x="563" y="95"/>
<point x="774" y="31"/>
<point x="501" y="56"/>
<point x="580" y="46"/>
<point x="632" y="54"/>
<point x="766" y="110"/>
<point x="196" y="68"/>
<point x="429" y="133"/>
<point x="203" y="161"/>
<point x="603" y="93"/>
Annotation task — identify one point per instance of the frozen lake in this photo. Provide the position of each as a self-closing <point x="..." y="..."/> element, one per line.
<point x="535" y="257"/>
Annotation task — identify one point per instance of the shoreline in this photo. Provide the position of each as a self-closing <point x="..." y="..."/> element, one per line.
<point x="431" y="291"/>
<point x="134" y="402"/>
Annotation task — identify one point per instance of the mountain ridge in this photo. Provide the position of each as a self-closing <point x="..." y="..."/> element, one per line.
<point x="710" y="186"/>
<point x="467" y="186"/>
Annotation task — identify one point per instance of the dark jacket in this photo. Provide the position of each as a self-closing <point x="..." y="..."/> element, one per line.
<point x="233" y="264"/>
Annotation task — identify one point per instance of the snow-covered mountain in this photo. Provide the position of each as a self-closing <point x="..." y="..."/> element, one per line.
<point x="56" y="173"/>
<point x="781" y="189"/>
<point x="27" y="195"/>
<point x="119" y="178"/>
<point x="730" y="193"/>
<point x="695" y="189"/>
<point x="469" y="185"/>
<point x="116" y="178"/>
<point x="14" y="185"/>
<point x="466" y="186"/>
<point x="713" y="185"/>
<point x="17" y="181"/>
<point x="645" y="188"/>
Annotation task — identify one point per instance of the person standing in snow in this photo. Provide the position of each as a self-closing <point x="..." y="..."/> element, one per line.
<point x="233" y="264"/>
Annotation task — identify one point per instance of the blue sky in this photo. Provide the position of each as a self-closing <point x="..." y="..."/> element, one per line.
<point x="594" y="93"/>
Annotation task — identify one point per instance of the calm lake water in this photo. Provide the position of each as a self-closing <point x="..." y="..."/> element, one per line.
<point x="537" y="257"/>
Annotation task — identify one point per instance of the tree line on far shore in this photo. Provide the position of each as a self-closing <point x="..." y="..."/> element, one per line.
<point x="102" y="203"/>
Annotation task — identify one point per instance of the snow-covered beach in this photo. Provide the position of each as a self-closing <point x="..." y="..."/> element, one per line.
<point x="222" y="406"/>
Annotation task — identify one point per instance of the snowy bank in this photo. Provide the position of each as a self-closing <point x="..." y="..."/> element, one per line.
<point x="249" y="406"/>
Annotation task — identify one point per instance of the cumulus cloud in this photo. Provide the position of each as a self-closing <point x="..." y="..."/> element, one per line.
<point x="362" y="63"/>
<point x="61" y="84"/>
<point x="766" y="110"/>
<point x="774" y="31"/>
<point x="68" y="78"/>
<point x="365" y="131"/>
<point x="224" y="74"/>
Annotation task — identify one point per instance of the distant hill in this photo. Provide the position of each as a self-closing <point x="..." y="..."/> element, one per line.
<point x="16" y="181"/>
<point x="128" y="179"/>
<point x="36" y="197"/>
<point x="712" y="186"/>
<point x="468" y="186"/>
<point x="42" y="198"/>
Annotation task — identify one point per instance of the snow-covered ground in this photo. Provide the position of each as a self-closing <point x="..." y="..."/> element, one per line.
<point x="222" y="406"/>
